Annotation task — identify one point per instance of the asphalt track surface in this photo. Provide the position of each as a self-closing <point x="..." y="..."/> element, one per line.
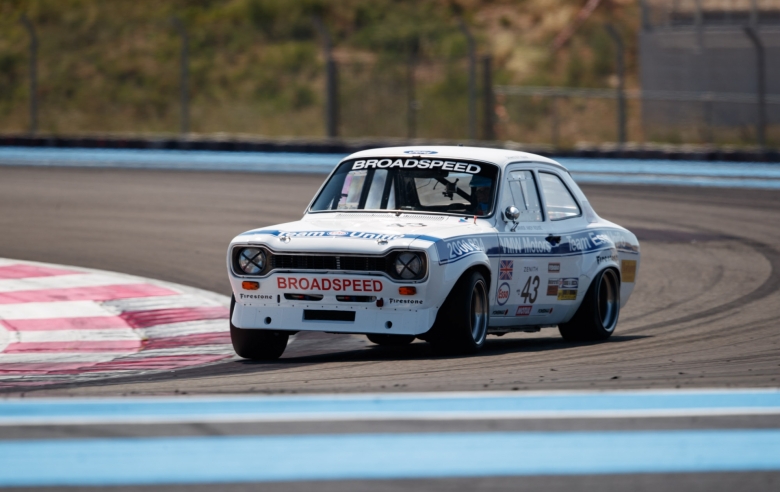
<point x="704" y="313"/>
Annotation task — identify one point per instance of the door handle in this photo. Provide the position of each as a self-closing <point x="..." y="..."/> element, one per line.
<point x="553" y="239"/>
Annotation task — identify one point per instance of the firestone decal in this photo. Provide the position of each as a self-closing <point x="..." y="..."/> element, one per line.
<point x="404" y="301"/>
<point x="255" y="296"/>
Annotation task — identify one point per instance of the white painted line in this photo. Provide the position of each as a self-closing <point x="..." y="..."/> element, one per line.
<point x="61" y="358"/>
<point x="166" y="302"/>
<point x="184" y="329"/>
<point x="221" y="349"/>
<point x="77" y="335"/>
<point x="48" y="310"/>
<point x="389" y="416"/>
<point x="61" y="282"/>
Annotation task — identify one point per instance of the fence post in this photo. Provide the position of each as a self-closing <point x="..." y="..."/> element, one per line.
<point x="411" y="96"/>
<point x="754" y="13"/>
<point x="555" y="123"/>
<point x="472" y="80"/>
<point x="184" y="83"/>
<point x="331" y="81"/>
<point x="760" y="86"/>
<point x="33" y="66"/>
<point x="489" y="132"/>
<point x="621" y="73"/>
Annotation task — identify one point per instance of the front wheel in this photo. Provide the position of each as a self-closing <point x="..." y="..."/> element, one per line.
<point x="461" y="325"/>
<point x="257" y="344"/>
<point x="597" y="317"/>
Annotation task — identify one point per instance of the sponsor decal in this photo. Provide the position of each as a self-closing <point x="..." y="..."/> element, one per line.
<point x="552" y="287"/>
<point x="343" y="234"/>
<point x="505" y="269"/>
<point x="523" y="310"/>
<point x="600" y="239"/>
<point x="628" y="270"/>
<point x="553" y="268"/>
<point x="458" y="248"/>
<point x="502" y="296"/>
<point x="602" y="258"/>
<point x="498" y="312"/>
<point x="527" y="269"/>
<point x="455" y="249"/>
<point x="256" y="296"/>
<point x="504" y="243"/>
<point x="406" y="301"/>
<point x="567" y="289"/>
<point x="543" y="311"/>
<point x="420" y="152"/>
<point x="326" y="284"/>
<point x="578" y="244"/>
<point x="460" y="167"/>
<point x="524" y="245"/>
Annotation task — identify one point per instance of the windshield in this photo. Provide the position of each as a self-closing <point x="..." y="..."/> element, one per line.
<point x="422" y="185"/>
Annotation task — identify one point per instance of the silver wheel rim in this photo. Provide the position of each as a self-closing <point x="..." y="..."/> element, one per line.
<point x="478" y="312"/>
<point x="608" y="299"/>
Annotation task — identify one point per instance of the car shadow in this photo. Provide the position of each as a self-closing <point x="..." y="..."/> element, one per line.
<point x="420" y="350"/>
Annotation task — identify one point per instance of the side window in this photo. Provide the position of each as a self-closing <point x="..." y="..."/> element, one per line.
<point x="558" y="199"/>
<point x="524" y="196"/>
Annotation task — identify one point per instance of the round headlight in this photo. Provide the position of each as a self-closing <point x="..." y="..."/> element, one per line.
<point x="408" y="265"/>
<point x="251" y="260"/>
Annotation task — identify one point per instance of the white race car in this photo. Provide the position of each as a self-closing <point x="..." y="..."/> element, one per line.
<point x="445" y="244"/>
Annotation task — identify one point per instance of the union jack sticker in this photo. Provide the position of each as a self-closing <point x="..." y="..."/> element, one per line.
<point x="505" y="269"/>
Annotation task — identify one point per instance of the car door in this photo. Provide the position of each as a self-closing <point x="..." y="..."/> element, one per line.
<point x="522" y="274"/>
<point x="568" y="232"/>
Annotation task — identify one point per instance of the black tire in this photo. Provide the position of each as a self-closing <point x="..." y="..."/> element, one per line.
<point x="257" y="344"/>
<point x="461" y="324"/>
<point x="391" y="340"/>
<point x="598" y="314"/>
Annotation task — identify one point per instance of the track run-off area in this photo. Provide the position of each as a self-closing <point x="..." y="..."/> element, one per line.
<point x="682" y="397"/>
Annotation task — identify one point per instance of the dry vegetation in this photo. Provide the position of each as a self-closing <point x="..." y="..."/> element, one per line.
<point x="256" y="65"/>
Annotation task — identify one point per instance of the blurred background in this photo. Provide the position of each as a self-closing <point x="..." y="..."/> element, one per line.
<point x="553" y="72"/>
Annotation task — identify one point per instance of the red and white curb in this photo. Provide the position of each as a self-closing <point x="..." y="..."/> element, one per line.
<point x="65" y="324"/>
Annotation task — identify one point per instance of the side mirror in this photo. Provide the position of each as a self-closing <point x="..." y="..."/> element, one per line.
<point x="512" y="213"/>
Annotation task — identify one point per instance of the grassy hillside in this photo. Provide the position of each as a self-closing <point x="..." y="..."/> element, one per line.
<point x="256" y="65"/>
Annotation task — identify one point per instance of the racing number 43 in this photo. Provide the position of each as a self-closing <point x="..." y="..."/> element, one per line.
<point x="528" y="296"/>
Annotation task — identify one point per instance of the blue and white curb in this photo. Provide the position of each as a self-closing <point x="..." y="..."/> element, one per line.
<point x="408" y="406"/>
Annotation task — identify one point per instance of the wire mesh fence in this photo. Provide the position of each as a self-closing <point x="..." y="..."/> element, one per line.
<point x="239" y="83"/>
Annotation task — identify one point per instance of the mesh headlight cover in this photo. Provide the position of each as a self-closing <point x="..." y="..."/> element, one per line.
<point x="408" y="266"/>
<point x="251" y="260"/>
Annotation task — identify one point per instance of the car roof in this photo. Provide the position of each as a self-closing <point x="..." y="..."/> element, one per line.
<point x="500" y="157"/>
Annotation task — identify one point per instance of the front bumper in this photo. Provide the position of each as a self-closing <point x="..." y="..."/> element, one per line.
<point x="368" y="319"/>
<point x="267" y="307"/>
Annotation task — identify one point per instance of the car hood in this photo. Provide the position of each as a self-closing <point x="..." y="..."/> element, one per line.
<point x="363" y="232"/>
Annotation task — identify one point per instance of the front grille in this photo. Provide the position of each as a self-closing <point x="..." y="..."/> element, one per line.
<point x="313" y="262"/>
<point x="332" y="263"/>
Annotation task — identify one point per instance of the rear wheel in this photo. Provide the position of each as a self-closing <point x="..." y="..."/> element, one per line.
<point x="597" y="317"/>
<point x="257" y="344"/>
<point x="461" y="325"/>
<point x="391" y="340"/>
